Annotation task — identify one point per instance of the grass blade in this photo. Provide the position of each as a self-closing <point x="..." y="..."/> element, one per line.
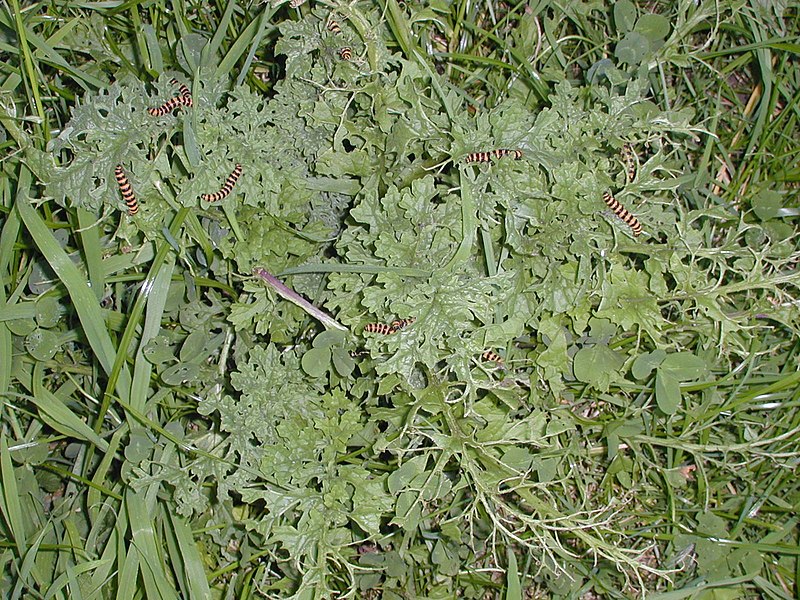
<point x="152" y="326"/>
<point x="58" y="416"/>
<point x="83" y="298"/>
<point x="192" y="561"/>
<point x="9" y="499"/>
<point x="144" y="538"/>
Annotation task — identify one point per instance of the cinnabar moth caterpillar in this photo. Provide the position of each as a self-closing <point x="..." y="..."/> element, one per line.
<point x="622" y="213"/>
<point x="400" y="323"/>
<point x="170" y="105"/>
<point x="185" y="91"/>
<point x="381" y="328"/>
<point x="488" y="156"/>
<point x="226" y="188"/>
<point x="630" y="163"/>
<point x="492" y="356"/>
<point x="126" y="190"/>
<point x="333" y="27"/>
<point x="346" y="53"/>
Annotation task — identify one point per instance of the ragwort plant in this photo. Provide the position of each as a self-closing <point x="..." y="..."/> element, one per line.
<point x="329" y="461"/>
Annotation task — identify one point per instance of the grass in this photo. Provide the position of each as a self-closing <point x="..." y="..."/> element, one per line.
<point x="95" y="447"/>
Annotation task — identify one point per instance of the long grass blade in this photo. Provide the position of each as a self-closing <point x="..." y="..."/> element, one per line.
<point x="83" y="298"/>
<point x="193" y="566"/>
<point x="9" y="500"/>
<point x="144" y="538"/>
<point x="58" y="416"/>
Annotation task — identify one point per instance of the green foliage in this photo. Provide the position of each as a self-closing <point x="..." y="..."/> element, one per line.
<point x="177" y="428"/>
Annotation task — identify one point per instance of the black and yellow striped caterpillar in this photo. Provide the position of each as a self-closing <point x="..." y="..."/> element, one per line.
<point x="185" y="99"/>
<point x="346" y="53"/>
<point x="126" y="190"/>
<point x="333" y="27"/>
<point x="226" y="188"/>
<point x="488" y="156"/>
<point x="630" y="163"/>
<point x="400" y="323"/>
<point x="491" y="355"/>
<point x="385" y="329"/>
<point x="170" y="105"/>
<point x="381" y="328"/>
<point x="622" y="213"/>
<point x="185" y="91"/>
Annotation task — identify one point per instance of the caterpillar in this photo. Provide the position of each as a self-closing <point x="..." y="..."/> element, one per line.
<point x="381" y="328"/>
<point x="487" y="156"/>
<point x="226" y="188"/>
<point x="622" y="213"/>
<point x="170" y="105"/>
<point x="630" y="163"/>
<point x="491" y="355"/>
<point x="400" y="323"/>
<point x="126" y="190"/>
<point x="185" y="91"/>
<point x="346" y="53"/>
<point x="334" y="27"/>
